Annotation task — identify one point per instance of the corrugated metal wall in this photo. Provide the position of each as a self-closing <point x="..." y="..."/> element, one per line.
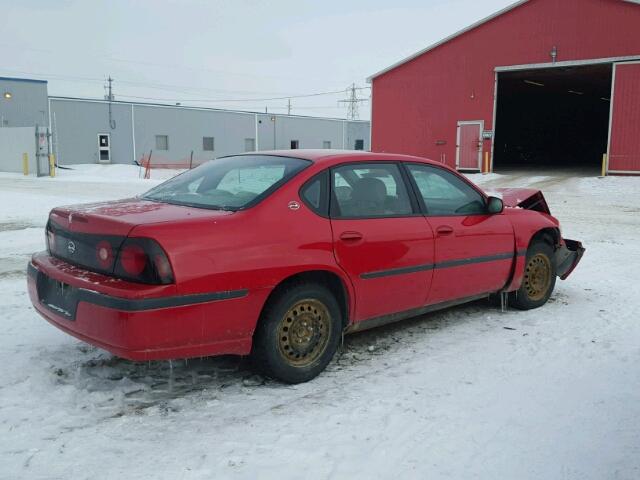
<point x="417" y="105"/>
<point x="14" y="142"/>
<point x="77" y="123"/>
<point x="28" y="105"/>
<point x="76" y="126"/>
<point x="624" y="146"/>
<point x="185" y="130"/>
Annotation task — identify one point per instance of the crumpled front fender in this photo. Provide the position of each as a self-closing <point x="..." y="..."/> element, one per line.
<point x="568" y="256"/>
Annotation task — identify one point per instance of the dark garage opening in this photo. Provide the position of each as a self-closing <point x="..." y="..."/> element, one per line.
<point x="556" y="118"/>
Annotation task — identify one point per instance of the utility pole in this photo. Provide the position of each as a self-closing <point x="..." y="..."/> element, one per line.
<point x="289" y="107"/>
<point x="352" y="102"/>
<point x="109" y="98"/>
<point x="110" y="94"/>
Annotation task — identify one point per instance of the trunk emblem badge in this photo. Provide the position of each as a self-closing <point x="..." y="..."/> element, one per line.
<point x="293" y="205"/>
<point x="71" y="248"/>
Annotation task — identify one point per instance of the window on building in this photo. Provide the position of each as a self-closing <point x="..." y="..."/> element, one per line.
<point x="162" y="142"/>
<point x="249" y="144"/>
<point x="326" y="144"/>
<point x="295" y="144"/>
<point x="359" y="145"/>
<point x="208" y="144"/>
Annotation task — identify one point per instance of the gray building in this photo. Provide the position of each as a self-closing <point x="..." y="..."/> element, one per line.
<point x="175" y="133"/>
<point x="23" y="103"/>
<point x="96" y="130"/>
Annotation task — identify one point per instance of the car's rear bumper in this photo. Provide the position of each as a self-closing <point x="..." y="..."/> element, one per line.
<point x="567" y="257"/>
<point x="141" y="322"/>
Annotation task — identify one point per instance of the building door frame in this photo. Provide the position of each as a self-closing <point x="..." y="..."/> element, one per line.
<point x="104" y="148"/>
<point x="533" y="66"/>
<point x="480" y="124"/>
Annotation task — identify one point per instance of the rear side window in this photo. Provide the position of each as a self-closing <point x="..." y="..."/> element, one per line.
<point x="369" y="191"/>
<point x="444" y="194"/>
<point x="314" y="194"/>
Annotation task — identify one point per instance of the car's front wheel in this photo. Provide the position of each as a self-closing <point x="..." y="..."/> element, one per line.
<point x="539" y="277"/>
<point x="298" y="333"/>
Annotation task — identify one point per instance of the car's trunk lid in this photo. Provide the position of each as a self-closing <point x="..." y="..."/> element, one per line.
<point x="119" y="217"/>
<point x="77" y="233"/>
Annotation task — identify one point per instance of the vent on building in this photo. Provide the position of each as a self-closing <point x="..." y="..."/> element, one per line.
<point x="326" y="144"/>
<point x="295" y="144"/>
<point x="359" y="145"/>
<point x="208" y="144"/>
<point x="249" y="144"/>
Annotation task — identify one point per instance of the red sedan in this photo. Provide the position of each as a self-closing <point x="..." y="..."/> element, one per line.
<point x="277" y="254"/>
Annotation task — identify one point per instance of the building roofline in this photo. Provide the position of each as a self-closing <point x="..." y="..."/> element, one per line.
<point x="206" y="109"/>
<point x="433" y="46"/>
<point x="28" y="80"/>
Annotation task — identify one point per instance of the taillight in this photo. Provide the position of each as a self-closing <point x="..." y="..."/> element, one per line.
<point x="143" y="260"/>
<point x="133" y="260"/>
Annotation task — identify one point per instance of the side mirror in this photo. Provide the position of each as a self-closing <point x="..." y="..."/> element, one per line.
<point x="494" y="205"/>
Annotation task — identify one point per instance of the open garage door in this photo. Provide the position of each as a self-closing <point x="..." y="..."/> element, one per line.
<point x="624" y="137"/>
<point x="553" y="118"/>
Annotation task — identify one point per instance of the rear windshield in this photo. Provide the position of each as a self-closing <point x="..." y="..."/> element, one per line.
<point x="229" y="183"/>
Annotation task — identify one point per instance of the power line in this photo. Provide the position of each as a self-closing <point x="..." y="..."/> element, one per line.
<point x="352" y="102"/>
<point x="214" y="100"/>
<point x="352" y="105"/>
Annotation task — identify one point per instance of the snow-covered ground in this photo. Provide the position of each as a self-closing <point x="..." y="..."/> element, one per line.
<point x="466" y="393"/>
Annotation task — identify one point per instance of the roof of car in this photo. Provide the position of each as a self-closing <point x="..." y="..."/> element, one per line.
<point x="328" y="156"/>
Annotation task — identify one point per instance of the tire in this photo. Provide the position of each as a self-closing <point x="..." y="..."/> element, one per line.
<point x="298" y="333"/>
<point x="539" y="277"/>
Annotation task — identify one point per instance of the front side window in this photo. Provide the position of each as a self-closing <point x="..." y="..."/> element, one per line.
<point x="369" y="190"/>
<point x="228" y="183"/>
<point x="444" y="194"/>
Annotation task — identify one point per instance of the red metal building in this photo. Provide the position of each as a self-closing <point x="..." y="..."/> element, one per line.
<point x="542" y="82"/>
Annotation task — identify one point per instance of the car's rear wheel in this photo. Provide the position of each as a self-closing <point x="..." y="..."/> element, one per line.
<point x="298" y="333"/>
<point x="539" y="277"/>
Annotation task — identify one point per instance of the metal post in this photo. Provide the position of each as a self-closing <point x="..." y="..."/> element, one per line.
<point x="604" y="165"/>
<point x="191" y="161"/>
<point x="133" y="133"/>
<point x="52" y="165"/>
<point x="255" y="119"/>
<point x="486" y="163"/>
<point x="25" y="163"/>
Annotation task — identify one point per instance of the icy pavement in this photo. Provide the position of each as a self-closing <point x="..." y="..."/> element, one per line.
<point x="467" y="393"/>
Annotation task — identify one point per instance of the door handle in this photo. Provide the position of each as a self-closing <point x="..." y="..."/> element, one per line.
<point x="443" y="230"/>
<point x="350" y="236"/>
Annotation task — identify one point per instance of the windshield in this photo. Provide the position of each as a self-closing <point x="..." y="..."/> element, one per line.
<point x="228" y="183"/>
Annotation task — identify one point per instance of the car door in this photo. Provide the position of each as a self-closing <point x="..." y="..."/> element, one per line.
<point x="380" y="238"/>
<point x="474" y="250"/>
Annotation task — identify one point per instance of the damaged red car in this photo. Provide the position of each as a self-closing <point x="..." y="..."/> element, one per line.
<point x="277" y="254"/>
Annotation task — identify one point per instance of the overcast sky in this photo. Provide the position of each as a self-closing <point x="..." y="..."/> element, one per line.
<point x="201" y="52"/>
